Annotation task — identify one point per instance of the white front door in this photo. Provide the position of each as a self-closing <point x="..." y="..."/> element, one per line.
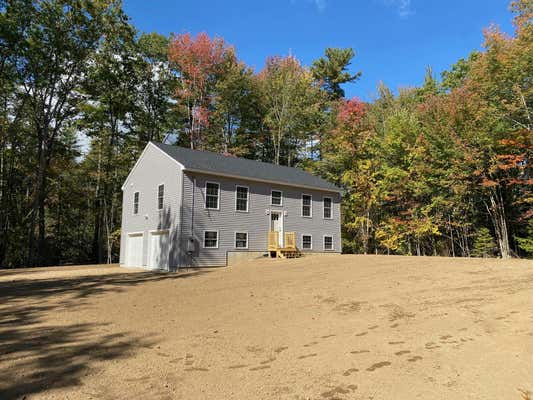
<point x="134" y="250"/>
<point x="159" y="249"/>
<point x="276" y="224"/>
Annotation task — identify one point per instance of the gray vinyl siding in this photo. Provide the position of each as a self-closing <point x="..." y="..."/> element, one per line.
<point x="153" y="169"/>
<point x="256" y="222"/>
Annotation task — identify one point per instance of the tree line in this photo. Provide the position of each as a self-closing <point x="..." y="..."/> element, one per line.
<point x="440" y="169"/>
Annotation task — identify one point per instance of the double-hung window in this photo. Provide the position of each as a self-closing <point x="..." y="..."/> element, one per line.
<point x="136" y="203"/>
<point x="328" y="242"/>
<point x="306" y="205"/>
<point x="327" y="207"/>
<point x="276" y="198"/>
<point x="212" y="195"/>
<point x="211" y="239"/>
<point x="160" y="196"/>
<point x="307" y="242"/>
<point x="241" y="198"/>
<point x="241" y="240"/>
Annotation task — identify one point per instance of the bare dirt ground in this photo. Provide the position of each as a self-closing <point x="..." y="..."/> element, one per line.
<point x="331" y="327"/>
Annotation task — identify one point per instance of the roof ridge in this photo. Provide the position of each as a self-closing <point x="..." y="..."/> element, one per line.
<point x="228" y="156"/>
<point x="220" y="164"/>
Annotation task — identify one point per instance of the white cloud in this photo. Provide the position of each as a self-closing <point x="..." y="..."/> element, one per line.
<point x="403" y="7"/>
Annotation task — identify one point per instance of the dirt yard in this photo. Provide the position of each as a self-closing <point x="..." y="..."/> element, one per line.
<point x="331" y="327"/>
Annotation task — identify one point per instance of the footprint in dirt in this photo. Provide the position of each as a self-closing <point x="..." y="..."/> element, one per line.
<point x="260" y="368"/>
<point x="402" y="352"/>
<point x="339" y="390"/>
<point x="350" y="371"/>
<point x="254" y="349"/>
<point x="327" y="336"/>
<point x="347" y="308"/>
<point x="238" y="366"/>
<point x="378" y="365"/>
<point x="329" y="300"/>
<point x="444" y="339"/>
<point x="359" y="351"/>
<point x="307" y="356"/>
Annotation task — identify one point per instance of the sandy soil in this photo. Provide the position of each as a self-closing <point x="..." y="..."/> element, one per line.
<point x="332" y="327"/>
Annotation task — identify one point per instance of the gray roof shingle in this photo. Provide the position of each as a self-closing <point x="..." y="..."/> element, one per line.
<point x="218" y="164"/>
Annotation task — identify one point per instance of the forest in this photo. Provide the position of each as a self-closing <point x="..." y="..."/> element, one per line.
<point x="440" y="169"/>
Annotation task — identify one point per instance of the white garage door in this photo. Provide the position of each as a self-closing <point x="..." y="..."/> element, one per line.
<point x="134" y="250"/>
<point x="159" y="250"/>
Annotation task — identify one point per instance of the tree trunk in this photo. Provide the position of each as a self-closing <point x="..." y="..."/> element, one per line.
<point x="497" y="213"/>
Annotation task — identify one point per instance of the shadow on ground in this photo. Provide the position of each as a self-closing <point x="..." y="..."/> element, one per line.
<point x="36" y="356"/>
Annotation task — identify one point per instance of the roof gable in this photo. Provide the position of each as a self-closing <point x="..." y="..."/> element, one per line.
<point x="218" y="164"/>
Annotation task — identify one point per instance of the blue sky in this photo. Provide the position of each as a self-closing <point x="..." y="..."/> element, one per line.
<point x="394" y="40"/>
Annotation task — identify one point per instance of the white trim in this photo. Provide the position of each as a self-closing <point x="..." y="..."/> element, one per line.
<point x="247" y="198"/>
<point x="235" y="240"/>
<point x="155" y="232"/>
<point x="163" y="205"/>
<point x="203" y="239"/>
<point x="281" y="198"/>
<point x="199" y="171"/>
<point x="281" y="240"/>
<point x="159" y="231"/>
<point x="138" y="203"/>
<point x="330" y="207"/>
<point x="324" y="243"/>
<point x="310" y="206"/>
<point x="311" y="236"/>
<point x="127" y="253"/>
<point x="205" y="196"/>
<point x="141" y="157"/>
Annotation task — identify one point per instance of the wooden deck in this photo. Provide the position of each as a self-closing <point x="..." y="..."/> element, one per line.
<point x="289" y="249"/>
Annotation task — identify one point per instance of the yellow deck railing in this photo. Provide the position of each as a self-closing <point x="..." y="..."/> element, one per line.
<point x="289" y="241"/>
<point x="289" y="249"/>
<point x="273" y="240"/>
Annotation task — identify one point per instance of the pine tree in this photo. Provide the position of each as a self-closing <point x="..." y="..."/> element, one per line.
<point x="484" y="244"/>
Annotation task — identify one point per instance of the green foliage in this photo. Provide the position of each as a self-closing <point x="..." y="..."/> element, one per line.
<point x="526" y="243"/>
<point x="458" y="73"/>
<point x="291" y="103"/>
<point x="484" y="245"/>
<point x="332" y="71"/>
<point x="425" y="172"/>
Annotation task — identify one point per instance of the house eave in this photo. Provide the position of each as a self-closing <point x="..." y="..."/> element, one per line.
<point x="273" y="182"/>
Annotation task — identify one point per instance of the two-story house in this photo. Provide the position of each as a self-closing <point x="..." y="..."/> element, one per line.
<point x="185" y="207"/>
